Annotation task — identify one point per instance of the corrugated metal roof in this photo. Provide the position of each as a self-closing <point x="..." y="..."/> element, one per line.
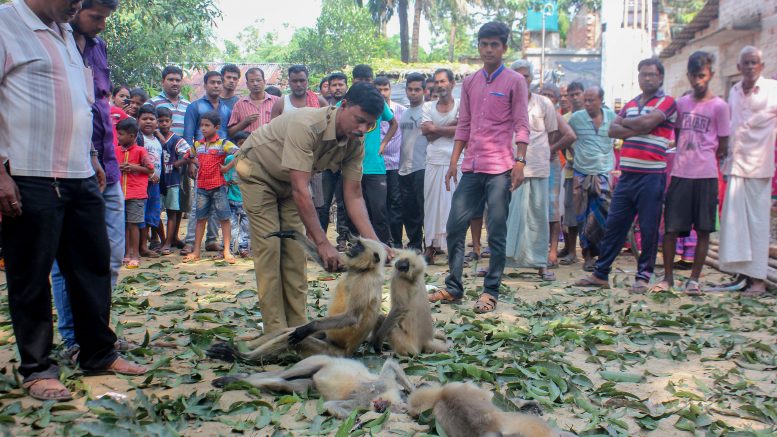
<point x="700" y="22"/>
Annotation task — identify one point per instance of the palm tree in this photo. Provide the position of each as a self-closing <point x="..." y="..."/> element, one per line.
<point x="404" y="48"/>
<point x="421" y="6"/>
<point x="381" y="11"/>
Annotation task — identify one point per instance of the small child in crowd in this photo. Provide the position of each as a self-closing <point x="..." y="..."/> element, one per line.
<point x="147" y="123"/>
<point x="138" y="97"/>
<point x="239" y="221"/>
<point x="135" y="167"/>
<point x="211" y="153"/>
<point x="174" y="150"/>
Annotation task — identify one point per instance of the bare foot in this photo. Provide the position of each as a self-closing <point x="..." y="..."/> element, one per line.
<point x="192" y="257"/>
<point x="229" y="258"/>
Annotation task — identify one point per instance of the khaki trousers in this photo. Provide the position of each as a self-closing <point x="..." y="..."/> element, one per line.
<point x="281" y="278"/>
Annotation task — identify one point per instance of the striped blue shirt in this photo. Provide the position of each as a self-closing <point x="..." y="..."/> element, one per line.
<point x="179" y="110"/>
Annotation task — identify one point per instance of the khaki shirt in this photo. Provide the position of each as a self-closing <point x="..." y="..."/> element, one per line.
<point x="304" y="140"/>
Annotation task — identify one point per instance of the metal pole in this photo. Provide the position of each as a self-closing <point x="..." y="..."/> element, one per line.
<point x="542" y="53"/>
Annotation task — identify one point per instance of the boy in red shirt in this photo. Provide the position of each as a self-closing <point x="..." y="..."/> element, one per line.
<point x="211" y="186"/>
<point x="135" y="166"/>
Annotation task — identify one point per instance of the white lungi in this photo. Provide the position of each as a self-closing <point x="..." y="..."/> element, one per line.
<point x="437" y="205"/>
<point x="744" y="227"/>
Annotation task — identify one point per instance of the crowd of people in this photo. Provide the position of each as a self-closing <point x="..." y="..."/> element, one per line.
<point x="534" y="164"/>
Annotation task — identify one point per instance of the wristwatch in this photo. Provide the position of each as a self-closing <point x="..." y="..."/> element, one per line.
<point x="520" y="159"/>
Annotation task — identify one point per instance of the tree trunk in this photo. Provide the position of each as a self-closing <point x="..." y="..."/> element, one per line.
<point x="360" y="3"/>
<point x="403" y="36"/>
<point x="416" y="30"/>
<point x="452" y="41"/>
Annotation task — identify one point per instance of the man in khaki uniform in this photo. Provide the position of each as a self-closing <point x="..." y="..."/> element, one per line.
<point x="275" y="165"/>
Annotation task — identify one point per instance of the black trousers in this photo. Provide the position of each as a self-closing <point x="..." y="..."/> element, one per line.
<point x="332" y="186"/>
<point x="68" y="226"/>
<point x="394" y="206"/>
<point x="374" y="192"/>
<point x="412" y="198"/>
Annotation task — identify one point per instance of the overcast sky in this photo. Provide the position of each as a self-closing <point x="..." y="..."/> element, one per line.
<point x="238" y="14"/>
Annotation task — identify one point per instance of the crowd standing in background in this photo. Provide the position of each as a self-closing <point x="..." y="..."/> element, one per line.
<point x="532" y="163"/>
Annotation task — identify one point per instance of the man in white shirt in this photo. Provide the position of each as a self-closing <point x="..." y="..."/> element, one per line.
<point x="49" y="196"/>
<point x="412" y="159"/>
<point x="744" y="222"/>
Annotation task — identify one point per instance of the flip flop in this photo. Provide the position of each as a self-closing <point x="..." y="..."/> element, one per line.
<point x="568" y="260"/>
<point x="47" y="389"/>
<point x="639" y="287"/>
<point x="120" y="366"/>
<point x="165" y="251"/>
<point x="548" y="276"/>
<point x="486" y="303"/>
<point x="133" y="264"/>
<point x="737" y="284"/>
<point x="589" y="282"/>
<point x="553" y="265"/>
<point x="660" y="287"/>
<point x="692" y="288"/>
<point x="443" y="296"/>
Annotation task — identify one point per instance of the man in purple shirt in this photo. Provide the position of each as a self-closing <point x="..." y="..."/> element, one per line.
<point x="89" y="22"/>
<point x="492" y="116"/>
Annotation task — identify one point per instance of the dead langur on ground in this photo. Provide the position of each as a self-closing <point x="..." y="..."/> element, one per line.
<point x="465" y="410"/>
<point x="344" y="384"/>
<point x="409" y="324"/>
<point x="353" y="313"/>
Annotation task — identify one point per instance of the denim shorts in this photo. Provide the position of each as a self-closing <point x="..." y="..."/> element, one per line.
<point x="213" y="200"/>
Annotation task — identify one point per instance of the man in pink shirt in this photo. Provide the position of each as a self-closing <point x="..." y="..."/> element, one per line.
<point x="492" y="116"/>
<point x="703" y="125"/>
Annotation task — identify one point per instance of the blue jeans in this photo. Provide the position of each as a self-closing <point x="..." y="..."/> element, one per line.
<point x="212" y="233"/>
<point x="114" y="219"/>
<point x="635" y="194"/>
<point x="475" y="190"/>
<point x="239" y="221"/>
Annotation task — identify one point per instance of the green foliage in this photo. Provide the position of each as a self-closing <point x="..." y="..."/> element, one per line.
<point x="344" y="35"/>
<point x="143" y="36"/>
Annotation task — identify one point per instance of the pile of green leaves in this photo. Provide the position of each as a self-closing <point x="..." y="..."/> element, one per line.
<point x="598" y="363"/>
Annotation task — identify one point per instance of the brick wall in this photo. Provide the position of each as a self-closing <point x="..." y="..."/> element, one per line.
<point x="726" y="43"/>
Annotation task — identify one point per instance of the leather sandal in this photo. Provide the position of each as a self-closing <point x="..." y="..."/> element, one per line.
<point x="443" y="296"/>
<point x="47" y="389"/>
<point x="486" y="303"/>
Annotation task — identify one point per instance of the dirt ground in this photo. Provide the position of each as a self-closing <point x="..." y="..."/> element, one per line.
<point x="599" y="362"/>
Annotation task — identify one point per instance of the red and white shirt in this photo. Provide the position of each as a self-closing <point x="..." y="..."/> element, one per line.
<point x="647" y="153"/>
<point x="246" y="107"/>
<point x="211" y="155"/>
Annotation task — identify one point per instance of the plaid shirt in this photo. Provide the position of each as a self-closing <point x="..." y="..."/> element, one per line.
<point x="211" y="156"/>
<point x="245" y="107"/>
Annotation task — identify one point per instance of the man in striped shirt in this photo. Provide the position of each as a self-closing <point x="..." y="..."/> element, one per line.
<point x="45" y="143"/>
<point x="171" y="98"/>
<point x="646" y="125"/>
